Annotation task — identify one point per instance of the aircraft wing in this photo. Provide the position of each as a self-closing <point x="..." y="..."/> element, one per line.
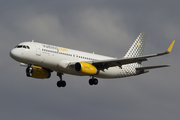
<point x="105" y="64"/>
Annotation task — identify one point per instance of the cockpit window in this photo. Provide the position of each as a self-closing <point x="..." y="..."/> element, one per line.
<point x="22" y="46"/>
<point x="19" y="46"/>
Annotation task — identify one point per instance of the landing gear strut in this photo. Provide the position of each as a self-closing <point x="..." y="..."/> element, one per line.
<point x="93" y="81"/>
<point x="61" y="83"/>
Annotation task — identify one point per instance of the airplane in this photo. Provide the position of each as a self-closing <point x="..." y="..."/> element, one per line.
<point x="42" y="59"/>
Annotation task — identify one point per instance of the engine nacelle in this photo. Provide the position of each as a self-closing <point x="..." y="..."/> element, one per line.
<point x="85" y="68"/>
<point x="37" y="72"/>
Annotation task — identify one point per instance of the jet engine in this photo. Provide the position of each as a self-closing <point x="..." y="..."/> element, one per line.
<point x="37" y="72"/>
<point x="85" y="68"/>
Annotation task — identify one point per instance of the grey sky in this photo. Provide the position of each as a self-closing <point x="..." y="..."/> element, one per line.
<point x="106" y="27"/>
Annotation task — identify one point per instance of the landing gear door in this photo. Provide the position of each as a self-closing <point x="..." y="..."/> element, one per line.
<point x="38" y="49"/>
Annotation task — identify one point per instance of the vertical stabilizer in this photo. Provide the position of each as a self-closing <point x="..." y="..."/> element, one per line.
<point x="137" y="47"/>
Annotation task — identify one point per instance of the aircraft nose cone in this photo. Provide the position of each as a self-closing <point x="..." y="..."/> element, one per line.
<point x="13" y="53"/>
<point x="18" y="55"/>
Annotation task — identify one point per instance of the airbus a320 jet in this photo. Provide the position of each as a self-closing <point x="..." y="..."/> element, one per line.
<point x="42" y="59"/>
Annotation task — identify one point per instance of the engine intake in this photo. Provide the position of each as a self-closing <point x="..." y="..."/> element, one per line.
<point x="37" y="72"/>
<point x="85" y="68"/>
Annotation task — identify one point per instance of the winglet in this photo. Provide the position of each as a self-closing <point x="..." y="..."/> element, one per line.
<point x="170" y="47"/>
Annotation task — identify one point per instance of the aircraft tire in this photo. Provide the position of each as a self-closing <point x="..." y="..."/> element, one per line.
<point x="95" y="81"/>
<point x="58" y="83"/>
<point x="91" y="82"/>
<point x="61" y="83"/>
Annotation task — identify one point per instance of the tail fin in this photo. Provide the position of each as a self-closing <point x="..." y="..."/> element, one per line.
<point x="137" y="47"/>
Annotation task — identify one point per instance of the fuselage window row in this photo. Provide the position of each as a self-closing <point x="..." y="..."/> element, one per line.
<point x="67" y="54"/>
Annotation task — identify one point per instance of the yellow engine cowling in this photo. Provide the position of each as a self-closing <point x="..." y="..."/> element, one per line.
<point x="85" y="68"/>
<point x="37" y="72"/>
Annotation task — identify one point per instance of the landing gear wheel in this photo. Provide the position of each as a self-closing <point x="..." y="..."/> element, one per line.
<point x="93" y="81"/>
<point x="61" y="83"/>
<point x="58" y="83"/>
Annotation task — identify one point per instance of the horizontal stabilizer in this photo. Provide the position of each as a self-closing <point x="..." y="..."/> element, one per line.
<point x="152" y="67"/>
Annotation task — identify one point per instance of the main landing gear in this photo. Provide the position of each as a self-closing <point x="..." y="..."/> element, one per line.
<point x="93" y="81"/>
<point x="61" y="83"/>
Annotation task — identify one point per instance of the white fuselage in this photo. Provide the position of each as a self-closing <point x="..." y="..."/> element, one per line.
<point x="58" y="58"/>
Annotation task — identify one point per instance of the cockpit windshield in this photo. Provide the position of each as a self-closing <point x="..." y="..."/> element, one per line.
<point x="22" y="46"/>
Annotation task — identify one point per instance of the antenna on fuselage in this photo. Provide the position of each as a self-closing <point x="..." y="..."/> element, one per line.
<point x="33" y="40"/>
